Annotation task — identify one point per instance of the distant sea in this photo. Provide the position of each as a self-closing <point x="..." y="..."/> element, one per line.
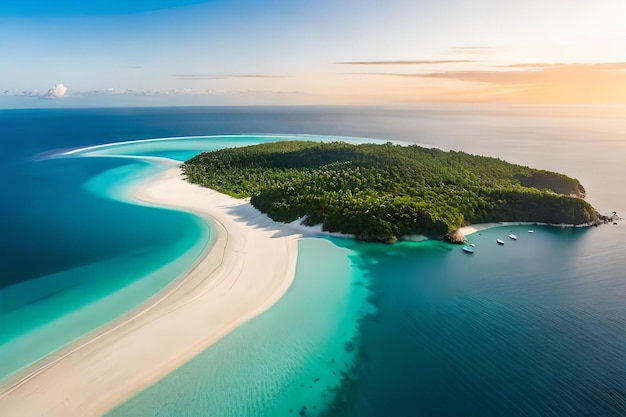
<point x="536" y="327"/>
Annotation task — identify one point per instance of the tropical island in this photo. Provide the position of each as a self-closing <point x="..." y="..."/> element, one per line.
<point x="385" y="192"/>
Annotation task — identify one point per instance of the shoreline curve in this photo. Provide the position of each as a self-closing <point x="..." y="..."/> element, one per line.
<point x="250" y="266"/>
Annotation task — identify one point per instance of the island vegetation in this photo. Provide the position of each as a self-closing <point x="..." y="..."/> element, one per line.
<point x="383" y="192"/>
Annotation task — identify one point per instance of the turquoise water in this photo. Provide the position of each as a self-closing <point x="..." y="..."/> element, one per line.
<point x="294" y="357"/>
<point x="534" y="328"/>
<point x="43" y="314"/>
<point x="184" y="148"/>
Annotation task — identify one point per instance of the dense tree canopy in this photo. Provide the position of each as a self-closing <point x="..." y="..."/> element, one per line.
<point x="380" y="192"/>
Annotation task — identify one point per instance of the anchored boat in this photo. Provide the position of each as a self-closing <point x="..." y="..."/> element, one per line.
<point x="468" y="249"/>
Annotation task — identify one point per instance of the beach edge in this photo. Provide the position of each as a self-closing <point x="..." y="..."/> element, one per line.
<point x="249" y="268"/>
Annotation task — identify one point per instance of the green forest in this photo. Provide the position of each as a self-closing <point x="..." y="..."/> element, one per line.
<point x="382" y="192"/>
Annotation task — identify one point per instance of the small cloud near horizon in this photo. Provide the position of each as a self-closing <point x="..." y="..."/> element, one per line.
<point x="57" y="91"/>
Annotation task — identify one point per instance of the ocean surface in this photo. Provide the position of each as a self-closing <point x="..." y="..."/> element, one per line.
<point x="536" y="327"/>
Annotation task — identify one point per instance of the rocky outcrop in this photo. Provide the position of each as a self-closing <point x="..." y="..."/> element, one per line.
<point x="607" y="217"/>
<point x="456" y="237"/>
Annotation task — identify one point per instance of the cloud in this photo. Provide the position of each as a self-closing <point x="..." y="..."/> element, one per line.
<point x="222" y="76"/>
<point x="418" y="62"/>
<point x="57" y="91"/>
<point x="556" y="83"/>
<point x="602" y="66"/>
<point x="531" y="73"/>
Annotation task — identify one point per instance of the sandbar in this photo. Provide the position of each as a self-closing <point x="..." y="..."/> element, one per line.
<point x="249" y="267"/>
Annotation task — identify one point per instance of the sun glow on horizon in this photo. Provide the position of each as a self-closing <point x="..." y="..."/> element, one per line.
<point x="324" y="53"/>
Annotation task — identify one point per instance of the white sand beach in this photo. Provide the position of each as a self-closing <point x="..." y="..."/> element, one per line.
<point x="473" y="228"/>
<point x="249" y="268"/>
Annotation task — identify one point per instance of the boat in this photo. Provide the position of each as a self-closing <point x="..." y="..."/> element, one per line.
<point x="512" y="236"/>
<point x="468" y="249"/>
<point x="472" y="245"/>
<point x="500" y="242"/>
<point x="531" y="231"/>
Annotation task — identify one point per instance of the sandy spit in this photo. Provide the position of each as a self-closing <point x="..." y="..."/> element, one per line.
<point x="249" y="268"/>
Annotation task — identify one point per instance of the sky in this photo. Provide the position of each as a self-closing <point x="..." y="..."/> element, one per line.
<point x="166" y="52"/>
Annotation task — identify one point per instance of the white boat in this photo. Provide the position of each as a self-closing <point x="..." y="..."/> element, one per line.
<point x="531" y="231"/>
<point x="500" y="241"/>
<point x="512" y="236"/>
<point x="468" y="249"/>
<point x="472" y="245"/>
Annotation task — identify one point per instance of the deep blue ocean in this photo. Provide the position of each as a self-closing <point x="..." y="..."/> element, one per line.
<point x="536" y="327"/>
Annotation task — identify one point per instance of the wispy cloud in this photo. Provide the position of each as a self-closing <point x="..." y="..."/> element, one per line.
<point x="602" y="66"/>
<point x="222" y="76"/>
<point x="543" y="83"/>
<point x="417" y="62"/>
<point x="533" y="73"/>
